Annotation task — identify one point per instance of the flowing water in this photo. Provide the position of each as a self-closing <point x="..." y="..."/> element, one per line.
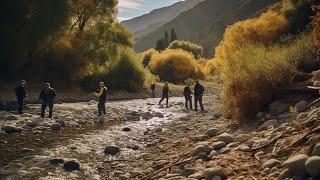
<point x="86" y="145"/>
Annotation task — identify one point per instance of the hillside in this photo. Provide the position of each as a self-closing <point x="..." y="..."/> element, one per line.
<point x="147" y="23"/>
<point x="205" y="23"/>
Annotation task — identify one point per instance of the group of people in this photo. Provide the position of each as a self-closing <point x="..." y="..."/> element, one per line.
<point x="187" y="93"/>
<point x="48" y="95"/>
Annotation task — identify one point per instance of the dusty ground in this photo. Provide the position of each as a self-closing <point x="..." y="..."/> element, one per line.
<point x="167" y="143"/>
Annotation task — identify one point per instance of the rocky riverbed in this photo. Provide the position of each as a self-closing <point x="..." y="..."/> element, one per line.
<point x="140" y="140"/>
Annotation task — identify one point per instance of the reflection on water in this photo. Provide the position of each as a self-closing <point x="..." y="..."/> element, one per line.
<point x="85" y="145"/>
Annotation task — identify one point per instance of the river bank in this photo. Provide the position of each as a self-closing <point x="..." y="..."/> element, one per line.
<point x="141" y="140"/>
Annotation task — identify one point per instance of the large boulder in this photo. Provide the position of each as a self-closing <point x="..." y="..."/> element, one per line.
<point x="56" y="127"/>
<point x="212" y="132"/>
<point x="313" y="166"/>
<point x="32" y="124"/>
<point x="296" y="165"/>
<point x="71" y="165"/>
<point x="112" y="150"/>
<point x="56" y="161"/>
<point x="218" y="145"/>
<point x="202" y="148"/>
<point x="269" y="123"/>
<point x="316" y="150"/>
<point x="271" y="163"/>
<point x="279" y="106"/>
<point x="10" y="129"/>
<point x="212" y="172"/>
<point x="301" y="105"/>
<point x="225" y="137"/>
<point x="11" y="117"/>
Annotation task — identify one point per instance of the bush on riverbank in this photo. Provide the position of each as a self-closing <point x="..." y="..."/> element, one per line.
<point x="175" y="65"/>
<point x="255" y="58"/>
<point x="195" y="49"/>
<point x="147" y="55"/>
<point x="126" y="73"/>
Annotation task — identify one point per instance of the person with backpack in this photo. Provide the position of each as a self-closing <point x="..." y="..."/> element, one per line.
<point x="165" y="94"/>
<point x="21" y="95"/>
<point x="102" y="94"/>
<point x="187" y="95"/>
<point x="198" y="93"/>
<point x="47" y="97"/>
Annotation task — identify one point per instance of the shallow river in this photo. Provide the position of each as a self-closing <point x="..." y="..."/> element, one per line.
<point x="87" y="145"/>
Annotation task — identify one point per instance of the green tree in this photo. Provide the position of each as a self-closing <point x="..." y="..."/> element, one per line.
<point x="166" y="39"/>
<point x="160" y="46"/>
<point x="173" y="36"/>
<point x="89" y="11"/>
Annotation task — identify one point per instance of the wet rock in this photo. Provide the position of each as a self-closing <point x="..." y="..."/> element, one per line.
<point x="284" y="174"/>
<point x="212" y="172"/>
<point x="301" y="105"/>
<point x="225" y="137"/>
<point x="71" y="165"/>
<point x="55" y="127"/>
<point x="296" y="165"/>
<point x="213" y="153"/>
<point x="313" y="166"/>
<point x="218" y="145"/>
<point x="233" y="145"/>
<point x="271" y="163"/>
<point x="316" y="150"/>
<point x="135" y="147"/>
<point x="11" y="117"/>
<point x="147" y="116"/>
<point x="56" y="161"/>
<point x="158" y="130"/>
<point x="274" y="169"/>
<point x="31" y="124"/>
<point x="202" y="148"/>
<point x="184" y="118"/>
<point x="27" y="150"/>
<point x="133" y="118"/>
<point x="124" y="177"/>
<point x="61" y="122"/>
<point x="126" y="129"/>
<point x="212" y="132"/>
<point x="197" y="175"/>
<point x="10" y="129"/>
<point x="199" y="138"/>
<point x="112" y="150"/>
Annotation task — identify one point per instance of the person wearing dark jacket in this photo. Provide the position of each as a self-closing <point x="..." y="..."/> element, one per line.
<point x="47" y="97"/>
<point x="21" y="95"/>
<point x="187" y="95"/>
<point x="102" y="94"/>
<point x="165" y="94"/>
<point x="153" y="90"/>
<point x="198" y="93"/>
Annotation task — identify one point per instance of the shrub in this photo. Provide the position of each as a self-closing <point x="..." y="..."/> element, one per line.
<point x="126" y="73"/>
<point x="195" y="49"/>
<point x="212" y="66"/>
<point x="253" y="73"/>
<point x="147" y="55"/>
<point x="175" y="66"/>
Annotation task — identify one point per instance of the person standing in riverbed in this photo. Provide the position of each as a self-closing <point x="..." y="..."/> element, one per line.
<point x="165" y="94"/>
<point x="198" y="93"/>
<point x="21" y="95"/>
<point x="187" y="95"/>
<point x="153" y="90"/>
<point x="47" y="96"/>
<point x="102" y="94"/>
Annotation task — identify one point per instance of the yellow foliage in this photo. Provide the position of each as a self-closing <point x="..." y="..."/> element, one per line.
<point x="175" y="65"/>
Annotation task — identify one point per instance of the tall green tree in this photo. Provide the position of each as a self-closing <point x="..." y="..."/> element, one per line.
<point x="160" y="46"/>
<point x="173" y="36"/>
<point x="166" y="39"/>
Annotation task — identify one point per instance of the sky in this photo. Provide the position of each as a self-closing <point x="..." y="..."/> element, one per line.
<point x="132" y="8"/>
